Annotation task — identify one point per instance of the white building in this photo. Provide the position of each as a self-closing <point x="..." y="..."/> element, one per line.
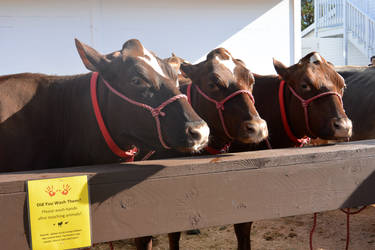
<point x="38" y="35"/>
<point x="343" y="39"/>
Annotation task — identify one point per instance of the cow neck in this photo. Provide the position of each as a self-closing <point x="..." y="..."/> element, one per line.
<point x="214" y="147"/>
<point x="299" y="142"/>
<point x="127" y="155"/>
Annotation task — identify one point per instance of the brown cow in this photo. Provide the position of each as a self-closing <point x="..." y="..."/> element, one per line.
<point x="358" y="100"/>
<point x="48" y="121"/>
<point x="312" y="83"/>
<point x="223" y="83"/>
<point x="220" y="93"/>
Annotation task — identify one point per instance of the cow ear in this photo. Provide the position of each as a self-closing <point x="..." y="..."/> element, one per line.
<point x="188" y="69"/>
<point x="251" y="78"/>
<point x="133" y="47"/>
<point x="281" y="69"/>
<point x="92" y="59"/>
<point x="174" y="62"/>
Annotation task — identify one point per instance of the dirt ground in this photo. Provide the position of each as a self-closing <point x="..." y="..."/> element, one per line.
<point x="289" y="233"/>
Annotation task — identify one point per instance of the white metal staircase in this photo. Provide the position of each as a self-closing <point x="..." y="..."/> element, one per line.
<point x="354" y="19"/>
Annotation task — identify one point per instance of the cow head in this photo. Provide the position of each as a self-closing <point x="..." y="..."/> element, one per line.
<point x="139" y="75"/>
<point x="219" y="78"/>
<point x="313" y="77"/>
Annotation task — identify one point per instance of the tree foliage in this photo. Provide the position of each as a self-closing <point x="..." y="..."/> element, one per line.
<point x="307" y="13"/>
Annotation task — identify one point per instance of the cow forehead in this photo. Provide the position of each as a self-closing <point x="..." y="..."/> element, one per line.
<point x="324" y="77"/>
<point x="228" y="63"/>
<point x="151" y="60"/>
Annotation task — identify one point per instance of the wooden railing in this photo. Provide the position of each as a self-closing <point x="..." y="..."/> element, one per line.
<point x="154" y="197"/>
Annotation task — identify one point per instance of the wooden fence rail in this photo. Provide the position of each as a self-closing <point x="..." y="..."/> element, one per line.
<point x="154" y="197"/>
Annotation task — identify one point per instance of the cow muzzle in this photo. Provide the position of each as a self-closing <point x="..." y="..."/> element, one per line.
<point x="342" y="127"/>
<point x="253" y="131"/>
<point x="197" y="135"/>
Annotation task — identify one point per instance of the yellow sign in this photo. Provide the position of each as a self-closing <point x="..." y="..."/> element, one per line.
<point x="59" y="213"/>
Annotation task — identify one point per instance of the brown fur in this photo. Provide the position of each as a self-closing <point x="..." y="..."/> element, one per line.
<point x="319" y="77"/>
<point x="217" y="82"/>
<point x="48" y="121"/>
<point x="359" y="100"/>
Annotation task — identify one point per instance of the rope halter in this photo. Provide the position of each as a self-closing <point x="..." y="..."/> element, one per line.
<point x="220" y="104"/>
<point x="155" y="112"/>
<point x="305" y="104"/>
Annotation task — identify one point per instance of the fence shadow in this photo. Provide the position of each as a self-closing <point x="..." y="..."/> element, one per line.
<point x="362" y="196"/>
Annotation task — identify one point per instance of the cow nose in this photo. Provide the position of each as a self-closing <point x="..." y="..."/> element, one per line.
<point x="197" y="133"/>
<point x="193" y="133"/>
<point x="253" y="131"/>
<point x="342" y="127"/>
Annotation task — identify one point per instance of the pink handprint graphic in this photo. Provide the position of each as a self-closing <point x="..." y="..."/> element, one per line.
<point x="50" y="191"/>
<point x="66" y="189"/>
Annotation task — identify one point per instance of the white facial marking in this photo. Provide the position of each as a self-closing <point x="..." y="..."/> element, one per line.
<point x="260" y="131"/>
<point x="263" y="129"/>
<point x="229" y="64"/>
<point x="315" y="58"/>
<point x="116" y="54"/>
<point x="152" y="62"/>
<point x="204" y="131"/>
<point x="345" y="130"/>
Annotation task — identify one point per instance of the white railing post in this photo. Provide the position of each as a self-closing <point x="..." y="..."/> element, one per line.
<point x="354" y="16"/>
<point x="345" y="35"/>
<point x="367" y="35"/>
<point x="316" y="17"/>
<point x="328" y="13"/>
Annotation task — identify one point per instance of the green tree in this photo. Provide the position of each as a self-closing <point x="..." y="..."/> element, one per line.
<point x="307" y="13"/>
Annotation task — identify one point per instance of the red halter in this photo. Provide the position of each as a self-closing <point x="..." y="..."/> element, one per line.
<point x="210" y="150"/>
<point x="214" y="151"/>
<point x="155" y="112"/>
<point x="305" y="104"/>
<point x="220" y="104"/>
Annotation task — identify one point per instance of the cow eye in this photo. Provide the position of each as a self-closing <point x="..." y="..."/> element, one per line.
<point x="304" y="86"/>
<point x="214" y="82"/>
<point x="138" y="82"/>
<point x="212" y="86"/>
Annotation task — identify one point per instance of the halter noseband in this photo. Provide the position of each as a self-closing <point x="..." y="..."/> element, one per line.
<point x="155" y="112"/>
<point x="305" y="104"/>
<point x="220" y="104"/>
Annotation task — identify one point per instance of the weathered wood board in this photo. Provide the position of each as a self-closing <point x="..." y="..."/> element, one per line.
<point x="154" y="197"/>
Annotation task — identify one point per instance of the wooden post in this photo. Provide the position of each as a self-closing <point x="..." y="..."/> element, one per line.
<point x="295" y="30"/>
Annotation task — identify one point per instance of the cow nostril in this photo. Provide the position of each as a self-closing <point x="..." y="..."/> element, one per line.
<point x="194" y="133"/>
<point x="250" y="128"/>
<point x="337" y="125"/>
<point x="342" y="127"/>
